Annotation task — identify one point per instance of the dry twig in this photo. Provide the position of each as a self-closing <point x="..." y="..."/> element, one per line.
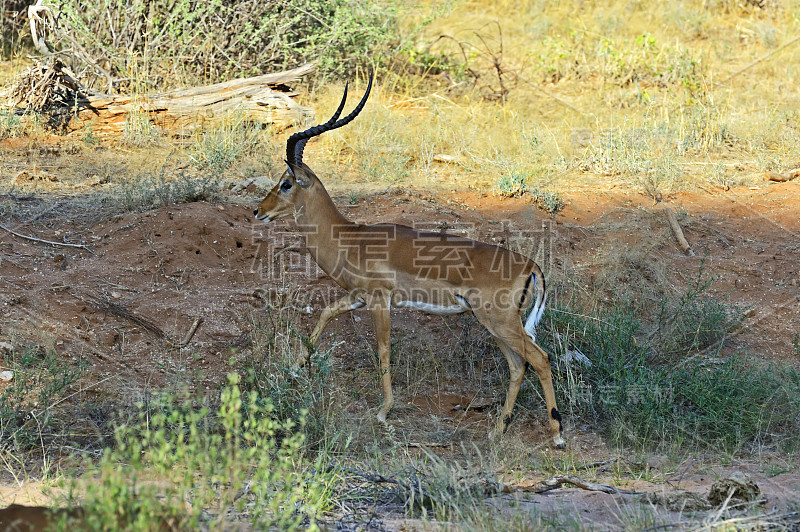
<point x="188" y="338"/>
<point x="678" y="232"/>
<point x="43" y="241"/>
<point x="103" y="305"/>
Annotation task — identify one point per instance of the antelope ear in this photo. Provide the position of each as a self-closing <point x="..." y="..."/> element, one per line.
<point x="299" y="175"/>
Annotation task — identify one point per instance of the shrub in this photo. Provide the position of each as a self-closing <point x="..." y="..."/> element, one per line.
<point x="187" y="466"/>
<point x="647" y="400"/>
<point x="512" y="185"/>
<point x="152" y="190"/>
<point x="161" y="43"/>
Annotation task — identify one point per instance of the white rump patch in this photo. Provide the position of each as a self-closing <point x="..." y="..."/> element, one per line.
<point x="536" y="313"/>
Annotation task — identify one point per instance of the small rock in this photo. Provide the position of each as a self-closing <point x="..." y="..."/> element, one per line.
<point x="6" y="348"/>
<point x="742" y="486"/>
<point x="445" y="158"/>
<point x="6" y="375"/>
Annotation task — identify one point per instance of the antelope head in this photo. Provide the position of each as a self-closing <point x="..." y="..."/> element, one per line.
<point x="294" y="191"/>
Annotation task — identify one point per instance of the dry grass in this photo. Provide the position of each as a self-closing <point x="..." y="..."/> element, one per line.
<point x="656" y="100"/>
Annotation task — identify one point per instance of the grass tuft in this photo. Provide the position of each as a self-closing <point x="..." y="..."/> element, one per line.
<point x="154" y="189"/>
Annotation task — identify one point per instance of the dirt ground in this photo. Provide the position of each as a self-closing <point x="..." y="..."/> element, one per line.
<point x="125" y="302"/>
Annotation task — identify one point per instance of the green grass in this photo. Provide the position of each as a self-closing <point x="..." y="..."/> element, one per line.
<point x="31" y="409"/>
<point x="215" y="150"/>
<point x="187" y="465"/>
<point x="271" y="372"/>
<point x="652" y="391"/>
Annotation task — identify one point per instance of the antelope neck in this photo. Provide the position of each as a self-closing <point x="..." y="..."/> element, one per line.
<point x="319" y="222"/>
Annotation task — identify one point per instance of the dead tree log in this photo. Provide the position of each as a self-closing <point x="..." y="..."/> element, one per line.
<point x="262" y="99"/>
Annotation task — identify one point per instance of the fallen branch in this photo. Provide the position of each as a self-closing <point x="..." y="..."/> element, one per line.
<point x="50" y="88"/>
<point x="596" y="464"/>
<point x="678" y="232"/>
<point x="258" y="99"/>
<point x="424" y="445"/>
<point x="558" y="481"/>
<point x="377" y="478"/>
<point x="43" y="241"/>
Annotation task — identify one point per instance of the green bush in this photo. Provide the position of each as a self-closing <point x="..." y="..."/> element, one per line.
<point x="160" y="43"/>
<point x="512" y="185"/>
<point x="271" y="369"/>
<point x="184" y="467"/>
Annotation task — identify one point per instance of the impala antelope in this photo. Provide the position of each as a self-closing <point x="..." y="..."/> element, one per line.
<point x="386" y="265"/>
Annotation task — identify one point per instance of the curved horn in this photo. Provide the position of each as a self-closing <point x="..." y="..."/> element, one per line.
<point x="349" y="118"/>
<point x="294" y="152"/>
<point x="301" y="140"/>
<point x="296" y="143"/>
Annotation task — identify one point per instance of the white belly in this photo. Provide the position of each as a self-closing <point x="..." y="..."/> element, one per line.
<point x="441" y="310"/>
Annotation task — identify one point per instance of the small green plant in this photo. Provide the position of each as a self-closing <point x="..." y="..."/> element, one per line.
<point x="183" y="466"/>
<point x="10" y="124"/>
<point x="353" y="197"/>
<point x="139" y="129"/>
<point x="512" y="185"/>
<point x="215" y="150"/>
<point x="552" y="202"/>
<point x="796" y="343"/>
<point x="88" y="137"/>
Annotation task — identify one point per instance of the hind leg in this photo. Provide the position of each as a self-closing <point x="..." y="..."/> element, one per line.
<point x="509" y="330"/>
<point x="538" y="358"/>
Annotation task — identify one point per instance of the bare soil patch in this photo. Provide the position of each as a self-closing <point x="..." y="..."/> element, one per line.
<point x="124" y="307"/>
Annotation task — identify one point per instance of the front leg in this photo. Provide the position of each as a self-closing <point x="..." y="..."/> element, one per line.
<point x="349" y="302"/>
<point x="381" y="322"/>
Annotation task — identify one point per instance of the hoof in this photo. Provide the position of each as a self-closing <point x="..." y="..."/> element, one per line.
<point x="496" y="434"/>
<point x="382" y="417"/>
<point x="559" y="443"/>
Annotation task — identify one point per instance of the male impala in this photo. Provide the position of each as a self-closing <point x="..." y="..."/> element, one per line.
<point x="388" y="265"/>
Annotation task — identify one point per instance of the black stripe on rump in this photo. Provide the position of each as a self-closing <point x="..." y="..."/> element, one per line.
<point x="525" y="291"/>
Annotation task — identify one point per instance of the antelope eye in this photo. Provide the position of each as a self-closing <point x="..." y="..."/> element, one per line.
<point x="286" y="185"/>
